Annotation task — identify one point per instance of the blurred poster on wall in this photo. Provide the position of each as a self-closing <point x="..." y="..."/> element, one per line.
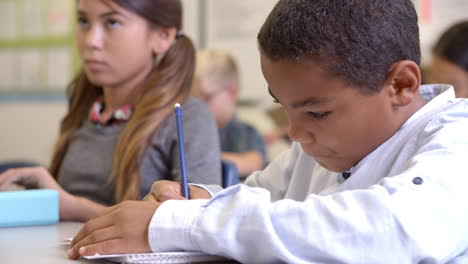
<point x="32" y="18"/>
<point x="8" y="23"/>
<point x="29" y="69"/>
<point x="59" y="68"/>
<point x="7" y="69"/>
<point x="58" y="17"/>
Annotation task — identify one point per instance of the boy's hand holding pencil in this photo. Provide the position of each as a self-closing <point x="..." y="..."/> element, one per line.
<point x="162" y="191"/>
<point x="166" y="190"/>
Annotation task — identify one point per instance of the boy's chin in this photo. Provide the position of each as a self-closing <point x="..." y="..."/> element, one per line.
<point x="332" y="166"/>
<point x="331" y="162"/>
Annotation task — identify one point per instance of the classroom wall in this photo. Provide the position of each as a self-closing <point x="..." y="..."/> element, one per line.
<point x="29" y="129"/>
<point x="30" y="126"/>
<point x="31" y="122"/>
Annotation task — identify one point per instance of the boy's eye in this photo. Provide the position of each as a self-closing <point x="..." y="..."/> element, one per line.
<point x="319" y="115"/>
<point x="112" y="23"/>
<point x="83" y="22"/>
<point x="276" y="101"/>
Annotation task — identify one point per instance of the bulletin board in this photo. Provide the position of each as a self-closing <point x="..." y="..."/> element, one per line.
<point x="37" y="53"/>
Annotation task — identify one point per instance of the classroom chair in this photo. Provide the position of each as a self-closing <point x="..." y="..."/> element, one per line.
<point x="229" y="173"/>
<point x="4" y="166"/>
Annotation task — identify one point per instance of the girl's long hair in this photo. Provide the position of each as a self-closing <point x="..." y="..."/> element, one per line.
<point x="168" y="83"/>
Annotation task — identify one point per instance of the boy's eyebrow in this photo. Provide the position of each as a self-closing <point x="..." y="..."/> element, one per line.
<point x="312" y="101"/>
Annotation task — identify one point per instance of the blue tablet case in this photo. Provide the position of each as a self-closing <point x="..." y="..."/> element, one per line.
<point x="29" y="207"/>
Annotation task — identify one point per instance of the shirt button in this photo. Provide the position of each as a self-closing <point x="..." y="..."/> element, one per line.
<point x="417" y="180"/>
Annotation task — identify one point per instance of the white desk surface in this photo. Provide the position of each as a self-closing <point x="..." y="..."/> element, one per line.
<point x="39" y="244"/>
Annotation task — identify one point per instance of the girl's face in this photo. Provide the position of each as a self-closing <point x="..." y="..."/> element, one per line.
<point x="116" y="46"/>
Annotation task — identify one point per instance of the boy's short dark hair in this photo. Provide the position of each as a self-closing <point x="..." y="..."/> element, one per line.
<point x="355" y="40"/>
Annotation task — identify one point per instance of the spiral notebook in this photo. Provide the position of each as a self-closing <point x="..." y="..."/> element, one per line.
<point x="165" y="257"/>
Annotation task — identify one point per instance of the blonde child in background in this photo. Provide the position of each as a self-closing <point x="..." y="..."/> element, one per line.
<point x="217" y="84"/>
<point x="119" y="134"/>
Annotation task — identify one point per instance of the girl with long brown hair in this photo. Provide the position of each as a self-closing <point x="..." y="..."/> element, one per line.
<point x="119" y="134"/>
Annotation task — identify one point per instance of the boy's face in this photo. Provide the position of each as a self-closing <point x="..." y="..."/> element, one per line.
<point x="220" y="99"/>
<point x="335" y="123"/>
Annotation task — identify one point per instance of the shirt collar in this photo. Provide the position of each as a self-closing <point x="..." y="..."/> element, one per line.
<point x="433" y="94"/>
<point x="120" y="115"/>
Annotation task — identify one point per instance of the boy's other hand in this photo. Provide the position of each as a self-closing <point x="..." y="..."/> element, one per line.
<point x="162" y="191"/>
<point x="123" y="229"/>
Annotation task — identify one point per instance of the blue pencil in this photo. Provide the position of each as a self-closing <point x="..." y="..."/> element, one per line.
<point x="180" y="137"/>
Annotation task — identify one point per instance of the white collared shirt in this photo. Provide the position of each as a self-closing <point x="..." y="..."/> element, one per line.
<point x="405" y="202"/>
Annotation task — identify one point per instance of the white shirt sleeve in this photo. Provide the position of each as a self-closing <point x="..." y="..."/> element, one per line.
<point x="276" y="176"/>
<point x="417" y="216"/>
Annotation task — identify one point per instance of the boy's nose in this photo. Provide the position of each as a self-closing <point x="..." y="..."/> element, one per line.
<point x="297" y="132"/>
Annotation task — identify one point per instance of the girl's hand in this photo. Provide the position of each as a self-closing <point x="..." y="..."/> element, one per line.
<point x="30" y="178"/>
<point x="39" y="178"/>
<point x="167" y="190"/>
<point x="122" y="229"/>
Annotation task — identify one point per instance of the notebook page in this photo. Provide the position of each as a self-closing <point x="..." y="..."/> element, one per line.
<point x="165" y="257"/>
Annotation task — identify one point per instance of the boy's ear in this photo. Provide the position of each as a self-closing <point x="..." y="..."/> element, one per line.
<point x="402" y="82"/>
<point x="162" y="39"/>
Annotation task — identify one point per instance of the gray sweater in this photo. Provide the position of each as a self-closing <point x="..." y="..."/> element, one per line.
<point x="88" y="162"/>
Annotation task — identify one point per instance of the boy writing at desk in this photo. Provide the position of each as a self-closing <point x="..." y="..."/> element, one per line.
<point x="347" y="74"/>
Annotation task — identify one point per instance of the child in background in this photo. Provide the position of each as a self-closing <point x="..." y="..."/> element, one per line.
<point x="450" y="59"/>
<point x="217" y="84"/>
<point x="119" y="134"/>
<point x="377" y="170"/>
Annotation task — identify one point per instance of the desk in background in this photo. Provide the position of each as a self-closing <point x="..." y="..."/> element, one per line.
<point x="39" y="244"/>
